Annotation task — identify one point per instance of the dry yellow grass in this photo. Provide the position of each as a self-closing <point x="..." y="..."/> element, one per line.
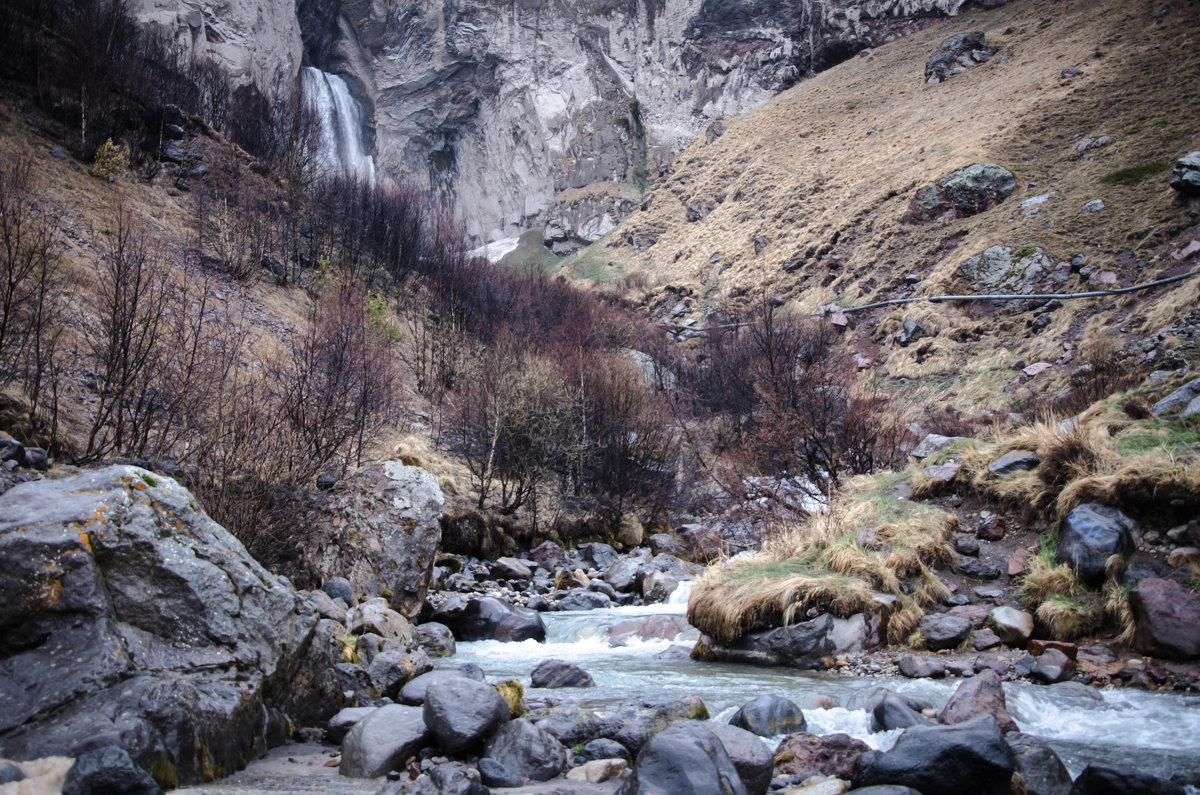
<point x="1065" y="618"/>
<point x="868" y="543"/>
<point x="827" y="168"/>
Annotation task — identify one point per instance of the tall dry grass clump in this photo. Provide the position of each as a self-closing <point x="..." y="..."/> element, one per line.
<point x="871" y="542"/>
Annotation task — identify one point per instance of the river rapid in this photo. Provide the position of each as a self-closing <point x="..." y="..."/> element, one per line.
<point x="1154" y="732"/>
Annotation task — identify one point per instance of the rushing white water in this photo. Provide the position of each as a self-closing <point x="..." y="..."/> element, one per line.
<point x="1152" y="732"/>
<point x="341" y="147"/>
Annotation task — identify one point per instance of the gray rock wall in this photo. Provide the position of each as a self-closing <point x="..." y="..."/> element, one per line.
<point x="507" y="104"/>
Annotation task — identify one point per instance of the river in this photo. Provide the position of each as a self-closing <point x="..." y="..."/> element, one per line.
<point x="1153" y="732"/>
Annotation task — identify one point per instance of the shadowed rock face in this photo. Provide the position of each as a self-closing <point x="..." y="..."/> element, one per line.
<point x="506" y="105"/>
<point x="131" y="618"/>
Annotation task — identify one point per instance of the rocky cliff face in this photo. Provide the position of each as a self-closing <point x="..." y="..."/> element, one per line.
<point x="506" y="105"/>
<point x="256" y="40"/>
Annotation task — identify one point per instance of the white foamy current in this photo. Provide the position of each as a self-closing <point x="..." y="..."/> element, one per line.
<point x="341" y="136"/>
<point x="1153" y="732"/>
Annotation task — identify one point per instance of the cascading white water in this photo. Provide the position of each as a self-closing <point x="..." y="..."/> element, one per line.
<point x="341" y="149"/>
<point x="1150" y="731"/>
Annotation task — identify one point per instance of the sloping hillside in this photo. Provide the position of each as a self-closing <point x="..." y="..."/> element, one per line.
<point x="805" y="197"/>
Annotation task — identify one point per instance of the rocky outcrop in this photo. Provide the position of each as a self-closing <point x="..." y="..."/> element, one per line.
<point x="577" y="218"/>
<point x="379" y="529"/>
<point x="956" y="55"/>
<point x="1185" y="176"/>
<point x="507" y="106"/>
<point x="165" y="637"/>
<point x="1003" y="269"/>
<point x="255" y="40"/>
<point x="962" y="193"/>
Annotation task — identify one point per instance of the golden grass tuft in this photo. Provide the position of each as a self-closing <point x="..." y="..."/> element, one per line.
<point x="1143" y="482"/>
<point x="869" y="542"/>
<point x="903" y="623"/>
<point x="1118" y="610"/>
<point x="1065" y="618"/>
<point x="1044" y="578"/>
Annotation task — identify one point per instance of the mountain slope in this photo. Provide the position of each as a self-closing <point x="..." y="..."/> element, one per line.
<point x="808" y="193"/>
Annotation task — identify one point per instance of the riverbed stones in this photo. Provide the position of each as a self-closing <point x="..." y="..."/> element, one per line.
<point x="600" y="748"/>
<point x="1014" y="626"/>
<point x="158" y="626"/>
<point x="1113" y="780"/>
<point x="462" y="713"/>
<point x="528" y="750"/>
<point x="657" y="586"/>
<point x="382" y="741"/>
<point x="769" y="716"/>
<point x="583" y="599"/>
<point x="980" y="695"/>
<point x="749" y="754"/>
<point x="560" y="673"/>
<point x="508" y="568"/>
<point x="597" y="771"/>
<point x="1089" y="535"/>
<point x="1167" y="619"/>
<point x="943" y="760"/>
<point x="943" y="631"/>
<point x="626" y="574"/>
<point x="391" y="670"/>
<point x="918" y="666"/>
<point x="829" y="755"/>
<point x="107" y="771"/>
<point x="687" y="759"/>
<point x="1052" y="666"/>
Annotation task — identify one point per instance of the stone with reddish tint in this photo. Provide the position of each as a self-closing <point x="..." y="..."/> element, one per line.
<point x="1039" y="647"/>
<point x="1167" y="617"/>
<point x="982" y="695"/>
<point x="830" y="755"/>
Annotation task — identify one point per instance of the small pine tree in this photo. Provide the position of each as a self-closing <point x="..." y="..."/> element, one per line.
<point x="110" y="160"/>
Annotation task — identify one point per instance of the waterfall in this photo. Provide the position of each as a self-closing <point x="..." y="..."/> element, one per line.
<point x="340" y="148"/>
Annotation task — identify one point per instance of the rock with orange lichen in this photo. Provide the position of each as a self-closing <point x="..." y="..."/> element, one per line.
<point x="130" y="617"/>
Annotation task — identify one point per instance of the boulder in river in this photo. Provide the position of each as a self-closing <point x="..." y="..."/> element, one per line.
<point x="687" y="759"/>
<point x="164" y="635"/>
<point x="583" y="599"/>
<point x="560" y="673"/>
<point x="462" y="713"/>
<point x="769" y="716"/>
<point x="943" y="760"/>
<point x="489" y="618"/>
<point x="895" y="712"/>
<point x="435" y="639"/>
<point x="980" y="695"/>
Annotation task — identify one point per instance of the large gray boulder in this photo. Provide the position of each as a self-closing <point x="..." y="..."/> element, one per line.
<point x="1043" y="771"/>
<point x="382" y="741"/>
<point x="686" y="759"/>
<point x="769" y="716"/>
<point x="751" y="757"/>
<point x="1091" y="534"/>
<point x="528" y="750"/>
<point x="165" y="637"/>
<point x="462" y="713"/>
<point x="489" y="618"/>
<point x="943" y="760"/>
<point x="1167" y="617"/>
<point x="380" y="529"/>
<point x="998" y="269"/>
